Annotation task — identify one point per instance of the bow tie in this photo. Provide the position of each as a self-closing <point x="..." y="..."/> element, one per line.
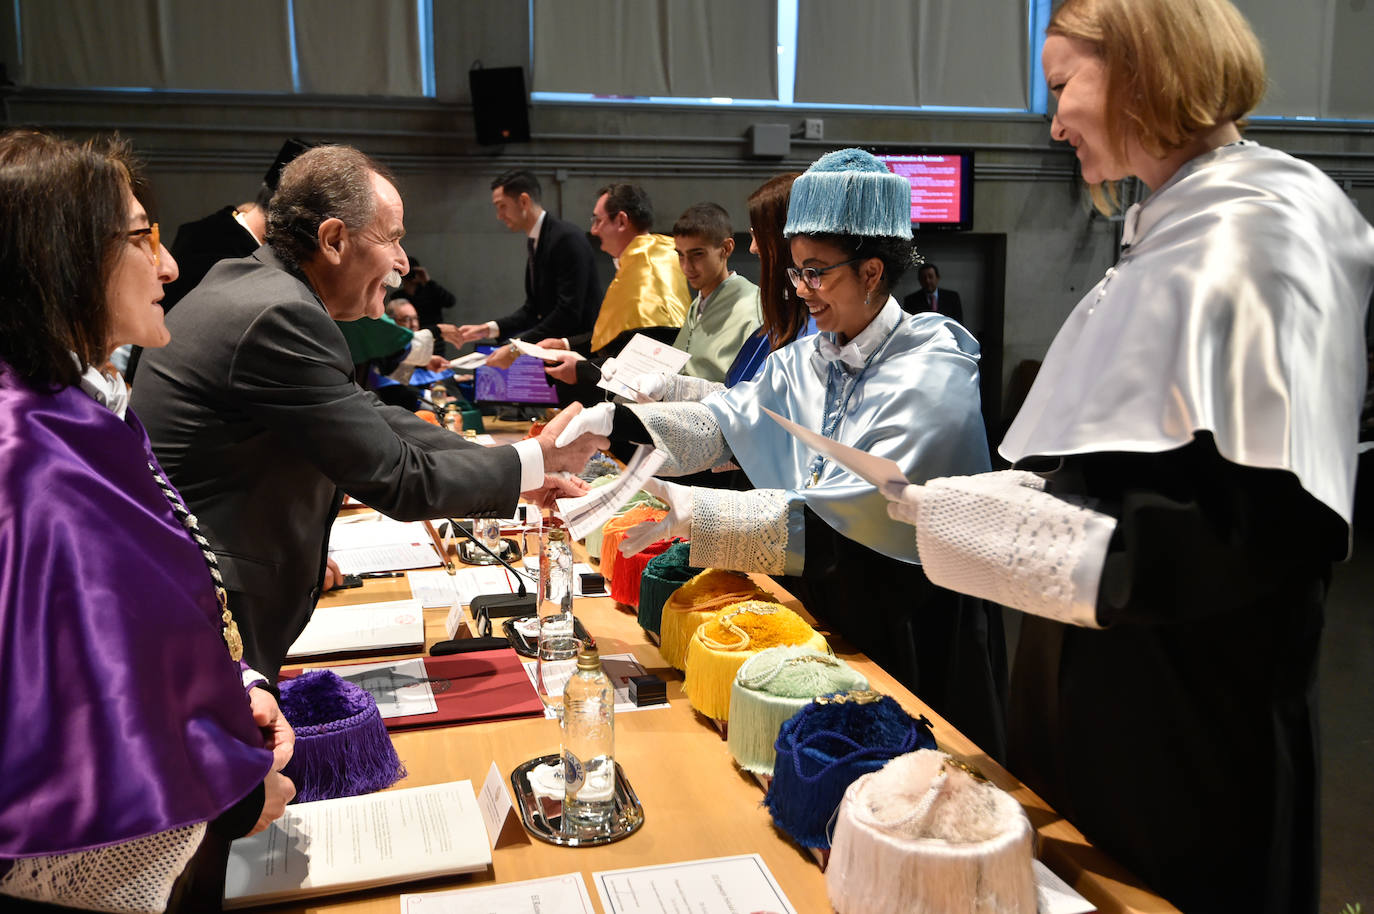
<point x="831" y="352"/>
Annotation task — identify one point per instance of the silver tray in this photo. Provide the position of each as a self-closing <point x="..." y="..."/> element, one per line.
<point x="543" y="818"/>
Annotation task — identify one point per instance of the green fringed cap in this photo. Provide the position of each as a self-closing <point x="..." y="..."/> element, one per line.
<point x="770" y="687"/>
<point x="850" y="192"/>
<point x="664" y="574"/>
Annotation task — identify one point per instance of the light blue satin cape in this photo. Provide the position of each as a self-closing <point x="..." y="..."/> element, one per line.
<point x="918" y="404"/>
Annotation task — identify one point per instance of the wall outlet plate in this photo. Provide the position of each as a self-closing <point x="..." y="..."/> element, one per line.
<point x="813" y="128"/>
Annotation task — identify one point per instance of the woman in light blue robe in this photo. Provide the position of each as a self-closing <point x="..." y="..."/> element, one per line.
<point x="896" y="385"/>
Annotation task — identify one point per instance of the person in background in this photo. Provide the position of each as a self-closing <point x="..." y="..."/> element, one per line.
<point x="648" y="295"/>
<point x="785" y="318"/>
<point x="896" y="385"/>
<point x="231" y="231"/>
<point x="930" y="297"/>
<point x="430" y="299"/>
<point x="255" y="412"/>
<point x="134" y="739"/>
<point x="1184" y="467"/>
<point x="726" y="310"/>
<point x="562" y="295"/>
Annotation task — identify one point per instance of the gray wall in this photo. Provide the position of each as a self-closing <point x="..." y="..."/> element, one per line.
<point x="207" y="151"/>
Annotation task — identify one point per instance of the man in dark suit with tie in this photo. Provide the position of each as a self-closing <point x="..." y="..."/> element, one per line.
<point x="562" y="295"/>
<point x="931" y="297"/>
<point x="253" y="411"/>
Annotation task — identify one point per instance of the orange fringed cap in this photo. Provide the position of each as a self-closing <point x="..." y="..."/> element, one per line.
<point x="615" y="531"/>
<point x="695" y="602"/>
<point x="731" y="636"/>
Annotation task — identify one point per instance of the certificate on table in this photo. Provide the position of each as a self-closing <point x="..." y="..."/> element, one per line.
<point x="565" y="894"/>
<point x="720" y="885"/>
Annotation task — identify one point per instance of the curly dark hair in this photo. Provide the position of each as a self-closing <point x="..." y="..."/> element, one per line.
<point x="897" y="254"/>
<point x="63" y="218"/>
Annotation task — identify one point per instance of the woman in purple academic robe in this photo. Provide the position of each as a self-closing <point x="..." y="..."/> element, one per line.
<point x="131" y="738"/>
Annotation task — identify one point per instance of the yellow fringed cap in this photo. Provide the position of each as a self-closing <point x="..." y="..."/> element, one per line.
<point x="722" y="644"/>
<point x="695" y="602"/>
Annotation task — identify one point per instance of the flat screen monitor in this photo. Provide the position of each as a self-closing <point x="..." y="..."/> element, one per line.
<point x="941" y="186"/>
<point x="523" y="383"/>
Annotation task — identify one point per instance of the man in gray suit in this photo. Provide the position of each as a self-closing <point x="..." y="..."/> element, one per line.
<point x="254" y="414"/>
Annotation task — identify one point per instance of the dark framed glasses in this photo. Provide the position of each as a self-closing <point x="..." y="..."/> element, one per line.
<point x="152" y="238"/>
<point x="811" y="276"/>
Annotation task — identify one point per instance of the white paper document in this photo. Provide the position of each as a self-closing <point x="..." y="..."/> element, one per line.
<point x="619" y="668"/>
<point x="721" y="885"/>
<point x="400" y="687"/>
<point x="1055" y="896"/>
<point x="566" y="894"/>
<point x="469" y="361"/>
<point x="380" y="545"/>
<point x="433" y="589"/>
<point x="364" y="626"/>
<point x="587" y="512"/>
<point x="548" y="355"/>
<point x="879" y="471"/>
<point x="350" y="843"/>
<point x="642" y="355"/>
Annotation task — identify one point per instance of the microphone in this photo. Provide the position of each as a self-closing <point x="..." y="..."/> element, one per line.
<point x="498" y="605"/>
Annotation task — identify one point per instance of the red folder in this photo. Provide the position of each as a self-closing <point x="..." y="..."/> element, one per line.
<point x="482" y="685"/>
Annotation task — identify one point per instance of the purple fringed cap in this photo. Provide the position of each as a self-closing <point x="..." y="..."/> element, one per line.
<point x="824" y="748"/>
<point x="342" y="747"/>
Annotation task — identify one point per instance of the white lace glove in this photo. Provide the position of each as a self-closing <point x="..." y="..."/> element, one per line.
<point x="651" y="387"/>
<point x="677" y="523"/>
<point x="903" y="502"/>
<point x="609" y="368"/>
<point x="594" y="421"/>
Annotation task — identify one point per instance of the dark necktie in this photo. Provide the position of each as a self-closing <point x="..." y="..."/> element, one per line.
<point x="529" y="262"/>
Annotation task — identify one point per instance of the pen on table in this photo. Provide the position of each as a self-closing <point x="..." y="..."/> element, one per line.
<point x="439" y="545"/>
<point x="381" y="574"/>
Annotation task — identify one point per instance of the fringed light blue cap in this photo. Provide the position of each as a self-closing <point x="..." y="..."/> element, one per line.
<point x="849" y="192"/>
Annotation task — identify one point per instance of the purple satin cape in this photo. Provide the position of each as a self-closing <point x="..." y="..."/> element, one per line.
<point x="122" y="713"/>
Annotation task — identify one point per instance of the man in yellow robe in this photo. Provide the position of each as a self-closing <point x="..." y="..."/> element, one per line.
<point x="648" y="295"/>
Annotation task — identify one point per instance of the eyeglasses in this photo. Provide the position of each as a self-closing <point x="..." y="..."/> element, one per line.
<point x="812" y="276"/>
<point x="154" y="241"/>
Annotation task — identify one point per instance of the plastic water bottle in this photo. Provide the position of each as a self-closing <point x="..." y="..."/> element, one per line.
<point x="588" y="749"/>
<point x="558" y="644"/>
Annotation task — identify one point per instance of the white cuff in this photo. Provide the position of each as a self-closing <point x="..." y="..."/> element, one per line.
<point x="740" y="531"/>
<point x="252" y="677"/>
<point x="492" y="329"/>
<point x="997" y="536"/>
<point x="531" y="464"/>
<point x="421" y="349"/>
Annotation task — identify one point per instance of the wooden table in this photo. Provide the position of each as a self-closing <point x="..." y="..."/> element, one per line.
<point x="697" y="803"/>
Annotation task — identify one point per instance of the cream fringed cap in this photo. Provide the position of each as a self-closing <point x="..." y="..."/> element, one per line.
<point x="695" y="602"/>
<point x="769" y="688"/>
<point x="924" y="836"/>
<point x="723" y="642"/>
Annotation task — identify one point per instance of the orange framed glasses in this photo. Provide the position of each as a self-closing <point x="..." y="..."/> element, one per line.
<point x="153" y="239"/>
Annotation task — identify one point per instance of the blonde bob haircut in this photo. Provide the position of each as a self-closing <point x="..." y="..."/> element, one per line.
<point x="1175" y="68"/>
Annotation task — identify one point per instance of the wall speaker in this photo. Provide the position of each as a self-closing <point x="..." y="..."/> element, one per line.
<point x="500" y="105"/>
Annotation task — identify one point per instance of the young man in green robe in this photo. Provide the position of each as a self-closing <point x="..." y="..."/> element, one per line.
<point x="726" y="309"/>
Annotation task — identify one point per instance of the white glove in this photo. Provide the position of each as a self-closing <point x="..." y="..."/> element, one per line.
<point x="651" y="387"/>
<point x="609" y="368"/>
<point x="904" y="502"/>
<point x="594" y="421"/>
<point x="677" y="523"/>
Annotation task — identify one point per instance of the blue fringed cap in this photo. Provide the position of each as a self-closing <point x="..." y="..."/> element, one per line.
<point x="828" y="744"/>
<point x="849" y="192"/>
<point x="342" y="747"/>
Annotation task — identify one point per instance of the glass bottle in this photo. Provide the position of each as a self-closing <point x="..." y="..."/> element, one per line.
<point x="588" y="749"/>
<point x="558" y="642"/>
